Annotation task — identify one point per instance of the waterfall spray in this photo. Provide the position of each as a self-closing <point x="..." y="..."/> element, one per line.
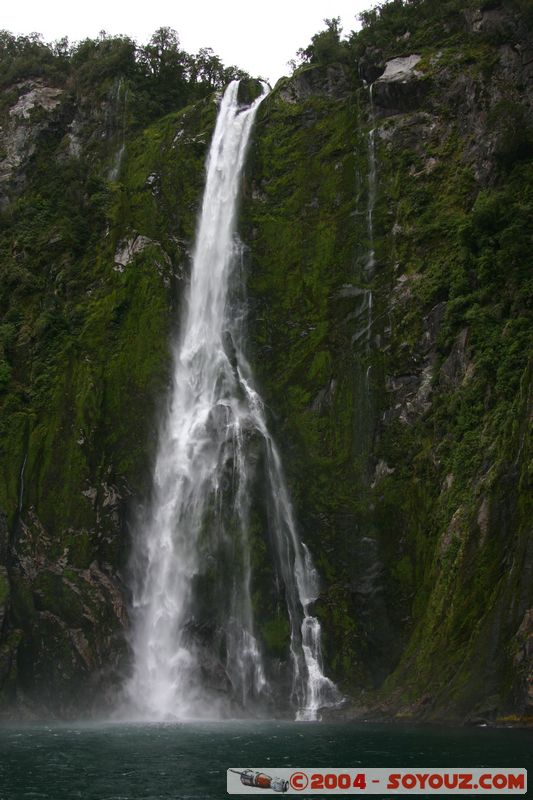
<point x="195" y="643"/>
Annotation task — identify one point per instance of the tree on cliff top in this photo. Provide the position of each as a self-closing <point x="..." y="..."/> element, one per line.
<point x="326" y="46"/>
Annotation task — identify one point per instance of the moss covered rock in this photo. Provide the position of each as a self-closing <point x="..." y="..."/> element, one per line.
<point x="387" y="267"/>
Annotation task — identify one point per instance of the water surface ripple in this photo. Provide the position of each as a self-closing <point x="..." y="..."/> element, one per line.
<point x="189" y="760"/>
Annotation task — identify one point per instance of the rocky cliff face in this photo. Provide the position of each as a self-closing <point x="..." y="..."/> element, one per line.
<point x="393" y="336"/>
<point x="386" y="213"/>
<point x="91" y="271"/>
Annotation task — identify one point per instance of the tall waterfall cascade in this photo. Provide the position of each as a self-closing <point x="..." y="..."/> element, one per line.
<point x="197" y="648"/>
<point x="370" y="265"/>
<point x="371" y="262"/>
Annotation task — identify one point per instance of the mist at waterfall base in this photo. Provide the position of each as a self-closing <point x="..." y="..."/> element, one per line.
<point x="219" y="502"/>
<point x="187" y="760"/>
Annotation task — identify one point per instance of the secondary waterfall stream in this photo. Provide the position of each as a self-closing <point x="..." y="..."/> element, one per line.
<point x="196" y="646"/>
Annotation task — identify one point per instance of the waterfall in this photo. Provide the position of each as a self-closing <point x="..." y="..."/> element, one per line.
<point x="371" y="147"/>
<point x="115" y="104"/>
<point x="21" y="482"/>
<point x="371" y="260"/>
<point x="196" y="649"/>
<point x="362" y="317"/>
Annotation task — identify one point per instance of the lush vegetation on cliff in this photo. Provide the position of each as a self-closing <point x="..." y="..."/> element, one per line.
<point x="406" y="427"/>
<point x="159" y="76"/>
<point x="84" y="336"/>
<point x="398" y="383"/>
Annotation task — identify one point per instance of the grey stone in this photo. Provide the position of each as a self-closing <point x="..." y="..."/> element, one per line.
<point x="44" y="97"/>
<point x="128" y="248"/>
<point x="457" y="366"/>
<point x="401" y="69"/>
<point x="332" y="81"/>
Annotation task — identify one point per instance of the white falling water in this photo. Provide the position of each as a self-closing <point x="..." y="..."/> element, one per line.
<point x="371" y="261"/>
<point x="115" y="105"/>
<point x="195" y="642"/>
<point x="370" y="265"/>
<point x="21" y="482"/>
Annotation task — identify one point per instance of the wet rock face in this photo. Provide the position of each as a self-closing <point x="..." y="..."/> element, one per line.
<point x="67" y="491"/>
<point x="371" y="65"/>
<point x="523" y="661"/>
<point x="249" y="90"/>
<point x="25" y="121"/>
<point x="441" y="136"/>
<point x="411" y="391"/>
<point x="81" y="124"/>
<point x="369" y="425"/>
<point x="4" y="578"/>
<point x="457" y="367"/>
<point x="129" y="248"/>
<point x="38" y="97"/>
<point x="4" y="534"/>
<point x="333" y="81"/>
<point x="400" y="88"/>
<point x="4" y="593"/>
<point x="63" y="615"/>
<point x="494" y="113"/>
<point x="497" y="23"/>
<point x="401" y="70"/>
<point x="69" y="621"/>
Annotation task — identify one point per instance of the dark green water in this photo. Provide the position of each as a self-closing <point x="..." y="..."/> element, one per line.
<point x="156" y="762"/>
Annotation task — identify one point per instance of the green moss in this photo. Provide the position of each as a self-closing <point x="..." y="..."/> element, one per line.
<point x="22" y="605"/>
<point x="276" y="635"/>
<point x="416" y="514"/>
<point x="4" y="588"/>
<point x="52" y="593"/>
<point x="403" y="572"/>
<point x="324" y="380"/>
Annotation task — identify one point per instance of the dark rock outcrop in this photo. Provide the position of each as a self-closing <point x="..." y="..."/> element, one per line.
<point x="333" y="81"/>
<point x="401" y="88"/>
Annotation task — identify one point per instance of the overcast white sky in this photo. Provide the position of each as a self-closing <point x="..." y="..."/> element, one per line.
<point x="259" y="37"/>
